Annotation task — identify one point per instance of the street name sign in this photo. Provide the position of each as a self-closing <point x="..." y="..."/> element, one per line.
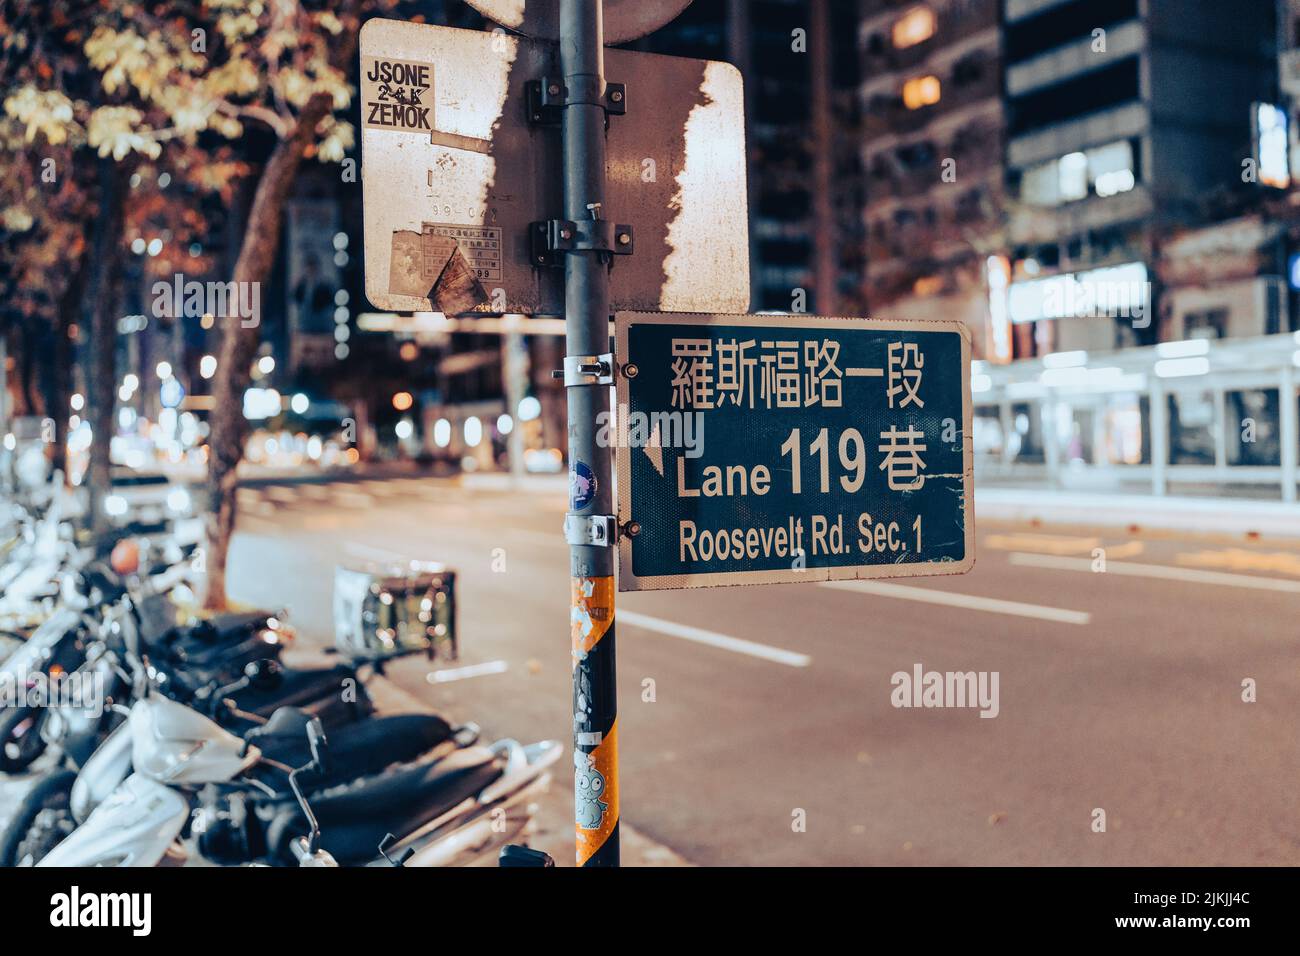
<point x="760" y="449"/>
<point x="461" y="161"/>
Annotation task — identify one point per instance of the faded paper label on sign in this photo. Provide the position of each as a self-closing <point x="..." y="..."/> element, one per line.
<point x="431" y="264"/>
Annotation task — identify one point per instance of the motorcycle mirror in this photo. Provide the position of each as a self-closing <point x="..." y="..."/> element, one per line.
<point x="402" y="857"/>
<point x="263" y="674"/>
<point x="318" y="744"/>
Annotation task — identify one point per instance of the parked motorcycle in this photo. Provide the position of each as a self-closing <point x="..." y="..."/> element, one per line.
<point x="76" y="643"/>
<point x="93" y="764"/>
<point x="182" y="759"/>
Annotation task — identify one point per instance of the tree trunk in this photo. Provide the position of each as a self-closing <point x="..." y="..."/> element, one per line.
<point x="25" y="366"/>
<point x="61" y="363"/>
<point x="229" y="428"/>
<point x="103" y="298"/>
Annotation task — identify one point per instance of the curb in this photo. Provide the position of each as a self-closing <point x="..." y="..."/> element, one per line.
<point x="1252" y="519"/>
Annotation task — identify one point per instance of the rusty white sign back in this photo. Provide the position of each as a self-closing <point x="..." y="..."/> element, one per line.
<point x="455" y="171"/>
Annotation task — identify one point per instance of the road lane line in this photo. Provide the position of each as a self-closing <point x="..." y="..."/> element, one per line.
<point x="1045" y="543"/>
<point x="465" y="673"/>
<point x="713" y="639"/>
<point x="973" y="602"/>
<point x="1162" y="571"/>
<point x="1239" y="559"/>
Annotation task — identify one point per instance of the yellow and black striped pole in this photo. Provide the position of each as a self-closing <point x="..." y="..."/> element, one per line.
<point x="595" y="722"/>
<point x="590" y="525"/>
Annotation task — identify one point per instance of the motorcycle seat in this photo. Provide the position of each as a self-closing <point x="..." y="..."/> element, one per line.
<point x="355" y="818"/>
<point x="354" y="750"/>
<point x="297" y="687"/>
<point x="226" y="626"/>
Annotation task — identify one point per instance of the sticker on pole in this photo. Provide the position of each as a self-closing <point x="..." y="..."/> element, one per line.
<point x="761" y="449"/>
<point x="461" y="164"/>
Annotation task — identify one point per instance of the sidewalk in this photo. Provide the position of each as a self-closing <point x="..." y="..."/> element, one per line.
<point x="1265" y="519"/>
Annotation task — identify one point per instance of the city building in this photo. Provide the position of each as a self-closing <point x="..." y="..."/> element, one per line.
<point x="1101" y="190"/>
<point x="932" y="150"/>
<point x="1026" y="161"/>
<point x="1128" y="123"/>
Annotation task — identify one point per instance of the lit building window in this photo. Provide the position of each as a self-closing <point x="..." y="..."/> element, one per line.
<point x="1105" y="170"/>
<point x="1073" y="172"/>
<point x="1110" y="168"/>
<point x="1270" y="129"/>
<point x="920" y="91"/>
<point x="915" y="26"/>
<point x="1039" y="185"/>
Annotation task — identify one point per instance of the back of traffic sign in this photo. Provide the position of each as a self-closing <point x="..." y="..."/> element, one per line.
<point x="624" y="19"/>
<point x="460" y="166"/>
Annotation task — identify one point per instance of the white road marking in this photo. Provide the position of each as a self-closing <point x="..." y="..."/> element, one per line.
<point x="973" y="602"/>
<point x="1165" y="572"/>
<point x="464" y="673"/>
<point x="713" y="639"/>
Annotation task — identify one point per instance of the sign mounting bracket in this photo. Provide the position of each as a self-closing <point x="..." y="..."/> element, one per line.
<point x="548" y="96"/>
<point x="555" y="236"/>
<point x="587" y="370"/>
<point x="594" y="530"/>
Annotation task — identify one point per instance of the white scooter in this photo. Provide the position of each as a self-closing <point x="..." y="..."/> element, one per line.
<point x="173" y="748"/>
<point x="175" y="751"/>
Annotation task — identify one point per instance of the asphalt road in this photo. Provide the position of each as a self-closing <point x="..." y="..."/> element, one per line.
<point x="1119" y="691"/>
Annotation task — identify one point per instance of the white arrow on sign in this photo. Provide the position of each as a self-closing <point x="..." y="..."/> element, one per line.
<point x="654" y="451"/>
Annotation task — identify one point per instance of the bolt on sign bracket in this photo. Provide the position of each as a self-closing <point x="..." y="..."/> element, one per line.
<point x="556" y="236"/>
<point x="597" y="530"/>
<point x="587" y="370"/>
<point x="548" y="96"/>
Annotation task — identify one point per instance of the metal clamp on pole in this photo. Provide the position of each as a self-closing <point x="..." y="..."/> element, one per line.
<point x="548" y="240"/>
<point x="600" y="531"/>
<point x="587" y="370"/>
<point x="548" y="96"/>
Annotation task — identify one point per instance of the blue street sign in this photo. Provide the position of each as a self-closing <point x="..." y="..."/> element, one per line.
<point x="781" y="448"/>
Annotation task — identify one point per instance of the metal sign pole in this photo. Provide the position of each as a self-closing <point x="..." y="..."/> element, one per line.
<point x="588" y="372"/>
